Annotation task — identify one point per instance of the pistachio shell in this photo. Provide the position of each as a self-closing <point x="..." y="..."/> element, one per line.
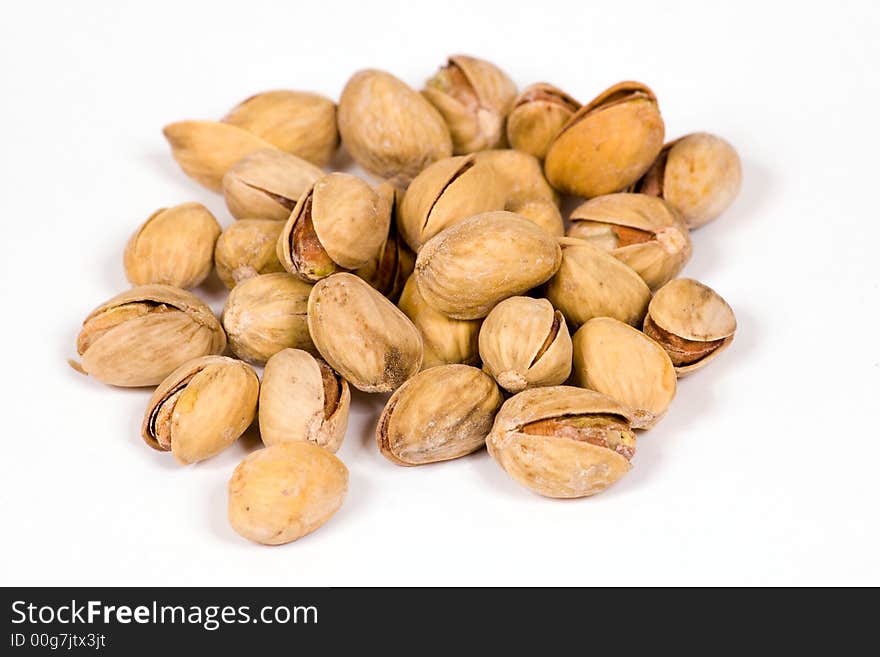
<point x="538" y="115"/>
<point x="247" y="249"/>
<point x="521" y="175"/>
<point x="389" y="269"/>
<point x="541" y="213"/>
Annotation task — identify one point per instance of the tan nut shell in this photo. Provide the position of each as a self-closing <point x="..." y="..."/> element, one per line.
<point x="469" y="267"/>
<point x="538" y="115"/>
<point x="362" y="335"/>
<point x="438" y="415"/>
<point x="541" y="213"/>
<point x="174" y="246"/>
<point x="281" y="493"/>
<point x="619" y="361"/>
<point x="520" y="174"/>
<point x="247" y="249"/>
<point x="390" y="268"/>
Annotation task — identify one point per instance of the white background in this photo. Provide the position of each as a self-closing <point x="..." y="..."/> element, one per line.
<point x="764" y="470"/>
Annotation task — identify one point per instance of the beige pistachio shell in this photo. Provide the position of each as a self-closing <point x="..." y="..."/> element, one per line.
<point x="266" y="314"/>
<point x="301" y="398"/>
<point x="542" y="213"/>
<point x="297" y="122"/>
<point x="362" y="335"/>
<point x="247" y="249"/>
<point x="520" y="174"/>
<point x="438" y="415"/>
<point x="389" y="129"/>
<point x="607" y="144"/>
<point x="281" y="493"/>
<point x="593" y="283"/>
<point x="267" y="184"/>
<point x="174" y="246"/>
<point x="538" y="115"/>
<point x="469" y="267"/>
<point x="139" y="337"/>
<point x="390" y="268"/>
<point x="619" y="361"/>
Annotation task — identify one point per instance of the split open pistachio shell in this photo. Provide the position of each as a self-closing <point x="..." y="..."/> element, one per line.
<point x="469" y="267"/>
<point x="201" y="408"/>
<point x="302" y="398"/>
<point x="619" y="361"/>
<point x="642" y="231"/>
<point x="174" y="246"/>
<point x="139" y="337"/>
<point x="390" y="268"/>
<point x="593" y="283"/>
<point x="521" y="176"/>
<point x="691" y="322"/>
<point x="538" y="115"/>
<point x="562" y="441"/>
<point x="247" y="249"/>
<point x="362" y="335"/>
<point x="608" y="143"/>
<point x="438" y="415"/>
<point x="266" y="314"/>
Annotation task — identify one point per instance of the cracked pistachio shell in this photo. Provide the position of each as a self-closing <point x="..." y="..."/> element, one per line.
<point x="201" y="408"/>
<point x="468" y="268"/>
<point x="267" y="184"/>
<point x="206" y="150"/>
<point x="247" y="249"/>
<point x="446" y="341"/>
<point x="301" y="398"/>
<point x="561" y="464"/>
<point x="520" y="174"/>
<point x="607" y="144"/>
<point x="474" y="97"/>
<point x="440" y="414"/>
<point x="281" y="493"/>
<point x="139" y="337"/>
<point x="542" y="213"/>
<point x="390" y="129"/>
<point x="622" y="362"/>
<point x="691" y="322"/>
<point x="174" y="246"/>
<point x="362" y="335"/>
<point x="593" y="283"/>
<point x="266" y="314"/>
<point x="524" y="343"/>
<point x="699" y="175"/>
<point x="538" y="115"/>
<point x="642" y="231"/>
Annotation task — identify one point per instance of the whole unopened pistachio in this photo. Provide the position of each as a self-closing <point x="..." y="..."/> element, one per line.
<point x="619" y="361"/>
<point x="520" y="174"/>
<point x="538" y="115"/>
<point x="302" y="398"/>
<point x="389" y="269"/>
<point x="201" y="408"/>
<point x="390" y="129"/>
<point x="691" y="322"/>
<point x="267" y="184"/>
<point x="699" y="175"/>
<point x="266" y="314"/>
<point x="247" y="249"/>
<point x="362" y="335"/>
<point x="469" y="267"/>
<point x="174" y="246"/>
<point x="563" y="441"/>
<point x="281" y="493"/>
<point x="643" y="231"/>
<point x="139" y="337"/>
<point x="474" y="97"/>
<point x="297" y="122"/>
<point x="524" y="343"/>
<point x="608" y="143"/>
<point x="540" y="212"/>
<point x="438" y="415"/>
<point x="593" y="283"/>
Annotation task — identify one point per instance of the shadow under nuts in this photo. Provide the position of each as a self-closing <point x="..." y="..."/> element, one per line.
<point x="538" y="115"/>
<point x="247" y="249"/>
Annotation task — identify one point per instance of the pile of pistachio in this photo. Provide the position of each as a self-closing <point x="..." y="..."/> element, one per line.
<point x="451" y="281"/>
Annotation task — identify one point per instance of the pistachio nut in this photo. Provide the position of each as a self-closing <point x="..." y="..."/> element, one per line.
<point x="699" y="175"/>
<point x="201" y="408"/>
<point x="520" y="174"/>
<point x="538" y="115"/>
<point x="267" y="184"/>
<point x="389" y="129"/>
<point x="608" y="143"/>
<point x="642" y="231"/>
<point x="622" y="362"/>
<point x="281" y="493"/>
<point x="247" y="249"/>
<point x="174" y="246"/>
<point x="562" y="441"/>
<point x="691" y="322"/>
<point x="302" y="398"/>
<point x="524" y="343"/>
<point x="266" y="314"/>
<point x="474" y="97"/>
<point x="389" y="269"/>
<point x="542" y="213"/>
<point x="139" y="337"/>
<point x="469" y="267"/>
<point x="593" y="283"/>
<point x="362" y="335"/>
